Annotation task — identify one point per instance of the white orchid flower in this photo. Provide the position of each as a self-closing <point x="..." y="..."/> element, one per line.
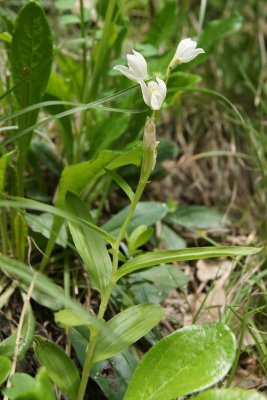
<point x="137" y="67"/>
<point x="154" y="93"/>
<point x="187" y="51"/>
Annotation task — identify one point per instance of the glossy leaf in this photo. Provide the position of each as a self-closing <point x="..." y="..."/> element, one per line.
<point x="25" y="387"/>
<point x="230" y="394"/>
<point x="90" y="245"/>
<point x="127" y="327"/>
<point x="5" y="366"/>
<point x="146" y="213"/>
<point x="169" y="256"/>
<point x="56" y="361"/>
<point x="184" y="362"/>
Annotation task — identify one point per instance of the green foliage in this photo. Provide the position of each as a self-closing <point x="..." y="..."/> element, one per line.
<point x="56" y="361"/>
<point x="172" y="367"/>
<point x="83" y="168"/>
<point x="127" y="327"/>
<point x="90" y="245"/>
<point x="230" y="394"/>
<point x="5" y="368"/>
<point x="7" y="346"/>
<point x="169" y="256"/>
<point x="31" y="54"/>
<point x="146" y="213"/>
<point x="25" y="387"/>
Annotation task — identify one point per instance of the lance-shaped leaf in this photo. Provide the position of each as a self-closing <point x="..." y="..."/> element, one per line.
<point x="230" y="394"/>
<point x="151" y="259"/>
<point x="61" y="369"/>
<point x="90" y="245"/>
<point x="31" y="58"/>
<point x="127" y="327"/>
<point x="46" y="287"/>
<point x="31" y="53"/>
<point x="184" y="362"/>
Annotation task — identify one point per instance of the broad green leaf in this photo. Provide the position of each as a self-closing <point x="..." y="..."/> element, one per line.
<point x="90" y="245"/>
<point x="184" y="362"/>
<point x="5" y="366"/>
<point x="61" y="369"/>
<point x="76" y="177"/>
<point x="113" y="375"/>
<point x="169" y="256"/>
<point x="146" y="213"/>
<point x="197" y="217"/>
<point x="30" y="58"/>
<point x="31" y="53"/>
<point x="128" y="326"/>
<point x="165" y="275"/>
<point x="25" y="387"/>
<point x="230" y="394"/>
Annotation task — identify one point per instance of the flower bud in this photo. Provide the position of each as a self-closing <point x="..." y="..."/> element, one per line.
<point x="150" y="144"/>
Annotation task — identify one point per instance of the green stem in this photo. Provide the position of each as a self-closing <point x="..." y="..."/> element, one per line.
<point x="87" y="364"/>
<point x="89" y="357"/>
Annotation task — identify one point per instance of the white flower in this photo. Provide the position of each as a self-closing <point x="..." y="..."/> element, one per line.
<point x="187" y="51"/>
<point x="137" y="70"/>
<point x="154" y="93"/>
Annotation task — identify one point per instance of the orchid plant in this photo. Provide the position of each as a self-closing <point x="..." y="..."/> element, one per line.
<point x="190" y="359"/>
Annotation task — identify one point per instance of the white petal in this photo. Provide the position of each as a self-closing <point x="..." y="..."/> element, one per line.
<point x="156" y="101"/>
<point x="138" y="66"/>
<point x="192" y="55"/>
<point x="145" y="92"/>
<point x="142" y="62"/>
<point x="162" y="88"/>
<point x="125" y="71"/>
<point x="185" y="44"/>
